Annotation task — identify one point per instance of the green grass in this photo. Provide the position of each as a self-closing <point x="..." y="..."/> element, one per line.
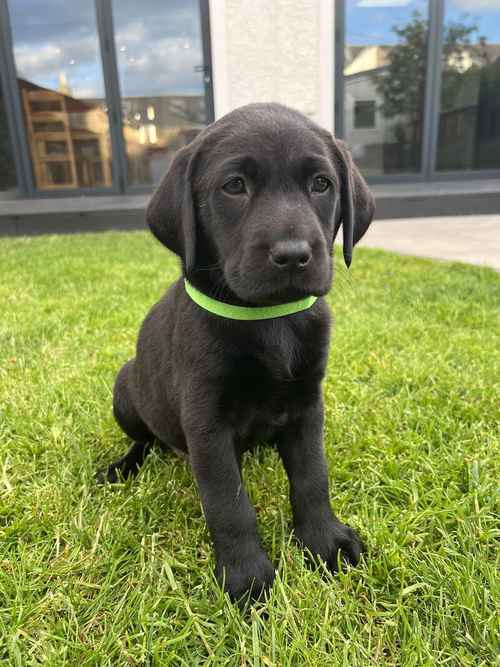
<point x="124" y="575"/>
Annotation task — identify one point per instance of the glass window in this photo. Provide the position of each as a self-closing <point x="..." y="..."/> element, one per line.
<point x="160" y="66"/>
<point x="8" y="180"/>
<point x="469" y="120"/>
<point x="384" y="83"/>
<point x="61" y="87"/>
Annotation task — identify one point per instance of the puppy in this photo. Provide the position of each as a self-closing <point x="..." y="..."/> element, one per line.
<point x="235" y="351"/>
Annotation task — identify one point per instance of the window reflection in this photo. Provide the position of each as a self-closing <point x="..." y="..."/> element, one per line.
<point x="160" y="59"/>
<point x="62" y="94"/>
<point x="384" y="83"/>
<point x="469" y="122"/>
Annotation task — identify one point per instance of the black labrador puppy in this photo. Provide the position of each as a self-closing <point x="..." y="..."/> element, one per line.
<point x="252" y="207"/>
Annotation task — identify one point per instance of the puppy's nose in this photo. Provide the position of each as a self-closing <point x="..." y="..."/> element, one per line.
<point x="290" y="254"/>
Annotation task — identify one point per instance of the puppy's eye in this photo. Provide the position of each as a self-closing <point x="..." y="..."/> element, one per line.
<point x="235" y="186"/>
<point x="320" y="184"/>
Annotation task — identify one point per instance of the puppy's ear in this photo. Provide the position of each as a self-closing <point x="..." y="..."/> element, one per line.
<point x="357" y="204"/>
<point x="171" y="214"/>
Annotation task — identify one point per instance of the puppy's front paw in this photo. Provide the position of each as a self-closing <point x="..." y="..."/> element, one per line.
<point x="107" y="475"/>
<point x="328" y="540"/>
<point x="250" y="576"/>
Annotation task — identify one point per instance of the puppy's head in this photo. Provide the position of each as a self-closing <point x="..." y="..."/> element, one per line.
<point x="255" y="202"/>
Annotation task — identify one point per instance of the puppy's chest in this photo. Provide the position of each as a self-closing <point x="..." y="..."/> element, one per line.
<point x="261" y="396"/>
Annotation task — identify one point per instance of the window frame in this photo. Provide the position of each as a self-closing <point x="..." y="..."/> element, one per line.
<point x="8" y="77"/>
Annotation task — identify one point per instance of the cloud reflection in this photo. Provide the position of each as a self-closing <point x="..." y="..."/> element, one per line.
<point x="158" y="45"/>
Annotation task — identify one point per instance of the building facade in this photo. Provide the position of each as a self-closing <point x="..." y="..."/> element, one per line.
<point x="96" y="96"/>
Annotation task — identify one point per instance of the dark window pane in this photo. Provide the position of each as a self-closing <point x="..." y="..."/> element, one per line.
<point x="384" y="83"/>
<point x="45" y="105"/>
<point x="61" y="87"/>
<point x="87" y="149"/>
<point x="364" y="114"/>
<point x="160" y="59"/>
<point x="469" y="122"/>
<point x="55" y="147"/>
<point x="8" y="180"/>
<point x="57" y="173"/>
<point x="47" y="126"/>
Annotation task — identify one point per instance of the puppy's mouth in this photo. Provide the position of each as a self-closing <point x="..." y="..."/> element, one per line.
<point x="259" y="293"/>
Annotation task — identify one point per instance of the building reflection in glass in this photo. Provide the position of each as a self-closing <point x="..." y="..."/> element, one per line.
<point x="384" y="84"/>
<point x="68" y="138"/>
<point x="155" y="128"/>
<point x="61" y="88"/>
<point x="159" y="53"/>
<point x="469" y="121"/>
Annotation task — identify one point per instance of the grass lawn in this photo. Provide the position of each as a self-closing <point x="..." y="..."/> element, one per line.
<point x="124" y="575"/>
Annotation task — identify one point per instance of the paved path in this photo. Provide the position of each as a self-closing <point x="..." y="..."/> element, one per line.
<point x="470" y="239"/>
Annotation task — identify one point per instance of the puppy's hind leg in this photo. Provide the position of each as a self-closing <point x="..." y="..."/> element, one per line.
<point x="126" y="466"/>
<point x="131" y="423"/>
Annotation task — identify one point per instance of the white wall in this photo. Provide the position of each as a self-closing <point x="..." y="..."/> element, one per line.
<point x="274" y="51"/>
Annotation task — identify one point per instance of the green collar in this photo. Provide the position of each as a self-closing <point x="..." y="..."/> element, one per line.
<point x="246" y="312"/>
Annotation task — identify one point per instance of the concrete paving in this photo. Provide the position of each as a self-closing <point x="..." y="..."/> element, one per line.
<point x="470" y="239"/>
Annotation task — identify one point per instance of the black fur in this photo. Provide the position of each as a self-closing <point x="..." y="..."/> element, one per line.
<point x="211" y="387"/>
